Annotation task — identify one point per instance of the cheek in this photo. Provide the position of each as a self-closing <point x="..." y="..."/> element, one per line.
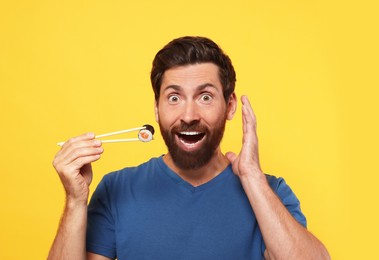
<point x="166" y="116"/>
<point x="213" y="116"/>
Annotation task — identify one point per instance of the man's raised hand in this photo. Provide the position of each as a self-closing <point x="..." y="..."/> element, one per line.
<point x="73" y="165"/>
<point x="247" y="162"/>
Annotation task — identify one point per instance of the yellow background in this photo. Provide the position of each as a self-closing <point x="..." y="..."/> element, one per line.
<point x="310" y="69"/>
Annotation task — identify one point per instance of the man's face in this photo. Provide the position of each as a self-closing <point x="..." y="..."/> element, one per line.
<point x="191" y="113"/>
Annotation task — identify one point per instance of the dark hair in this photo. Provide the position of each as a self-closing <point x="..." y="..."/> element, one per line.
<point x="192" y="50"/>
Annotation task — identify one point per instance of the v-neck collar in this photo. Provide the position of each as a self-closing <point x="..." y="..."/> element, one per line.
<point x="188" y="186"/>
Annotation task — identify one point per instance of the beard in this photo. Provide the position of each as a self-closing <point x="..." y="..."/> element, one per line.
<point x="192" y="160"/>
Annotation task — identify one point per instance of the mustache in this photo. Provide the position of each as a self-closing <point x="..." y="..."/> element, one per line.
<point x="190" y="127"/>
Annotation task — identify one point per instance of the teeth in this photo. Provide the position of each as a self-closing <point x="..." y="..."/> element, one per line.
<point x="190" y="133"/>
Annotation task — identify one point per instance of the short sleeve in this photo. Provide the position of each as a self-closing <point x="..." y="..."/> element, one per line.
<point x="289" y="200"/>
<point x="100" y="223"/>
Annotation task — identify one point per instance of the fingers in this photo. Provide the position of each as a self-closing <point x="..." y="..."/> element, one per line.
<point x="249" y="122"/>
<point x="231" y="156"/>
<point x="77" y="152"/>
<point x="248" y="158"/>
<point x="250" y="139"/>
<point x="73" y="165"/>
<point x="248" y="113"/>
<point x="82" y="145"/>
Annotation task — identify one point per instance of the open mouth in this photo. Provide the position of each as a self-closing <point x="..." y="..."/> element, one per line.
<point x="190" y="138"/>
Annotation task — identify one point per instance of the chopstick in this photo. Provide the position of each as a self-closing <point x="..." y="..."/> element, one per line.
<point x="116" y="133"/>
<point x="121" y="132"/>
<point x="120" y="140"/>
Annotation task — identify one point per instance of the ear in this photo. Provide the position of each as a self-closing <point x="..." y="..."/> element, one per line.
<point x="232" y="106"/>
<point x="156" y="111"/>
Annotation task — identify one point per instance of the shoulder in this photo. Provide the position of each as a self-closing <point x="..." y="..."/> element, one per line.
<point x="275" y="182"/>
<point x="130" y="171"/>
<point x="131" y="174"/>
<point x="287" y="196"/>
<point x="280" y="186"/>
<point x="282" y="189"/>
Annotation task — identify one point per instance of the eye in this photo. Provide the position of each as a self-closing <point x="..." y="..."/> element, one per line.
<point x="206" y="98"/>
<point x="173" y="99"/>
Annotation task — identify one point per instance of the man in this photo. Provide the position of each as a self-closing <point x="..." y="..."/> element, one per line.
<point x="194" y="202"/>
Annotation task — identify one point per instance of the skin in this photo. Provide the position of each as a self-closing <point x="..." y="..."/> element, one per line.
<point x="184" y="97"/>
<point x="190" y="94"/>
<point x="73" y="165"/>
<point x="284" y="237"/>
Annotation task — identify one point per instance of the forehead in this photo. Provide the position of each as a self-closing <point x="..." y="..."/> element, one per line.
<point x="192" y="75"/>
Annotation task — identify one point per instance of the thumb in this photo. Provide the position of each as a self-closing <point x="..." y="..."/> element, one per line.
<point x="231" y="156"/>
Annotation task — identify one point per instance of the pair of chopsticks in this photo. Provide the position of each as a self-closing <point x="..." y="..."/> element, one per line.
<point x="116" y="133"/>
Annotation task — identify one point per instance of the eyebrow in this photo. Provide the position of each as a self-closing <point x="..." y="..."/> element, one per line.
<point x="198" y="88"/>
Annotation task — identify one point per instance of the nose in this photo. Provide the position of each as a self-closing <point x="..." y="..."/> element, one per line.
<point x="190" y="113"/>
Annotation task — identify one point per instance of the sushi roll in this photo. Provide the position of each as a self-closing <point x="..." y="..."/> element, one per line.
<point x="146" y="135"/>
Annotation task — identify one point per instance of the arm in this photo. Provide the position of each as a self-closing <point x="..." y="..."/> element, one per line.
<point x="284" y="237"/>
<point x="73" y="165"/>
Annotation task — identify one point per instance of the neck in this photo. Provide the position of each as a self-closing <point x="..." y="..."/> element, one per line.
<point x="201" y="175"/>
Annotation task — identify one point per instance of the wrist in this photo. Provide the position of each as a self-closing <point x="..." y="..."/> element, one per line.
<point x="252" y="172"/>
<point x="254" y="176"/>
<point x="75" y="203"/>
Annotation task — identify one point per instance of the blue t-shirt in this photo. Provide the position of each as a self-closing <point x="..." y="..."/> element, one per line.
<point x="149" y="212"/>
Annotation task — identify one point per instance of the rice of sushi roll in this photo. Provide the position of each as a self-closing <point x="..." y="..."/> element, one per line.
<point x="146" y="135"/>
